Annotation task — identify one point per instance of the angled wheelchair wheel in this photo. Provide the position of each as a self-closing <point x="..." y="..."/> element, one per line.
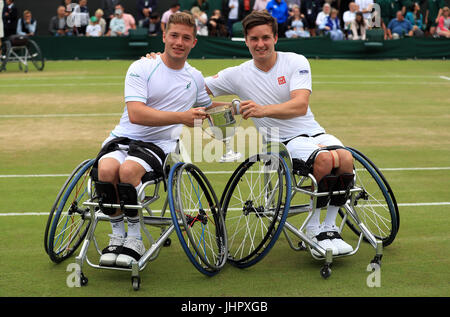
<point x="66" y="225"/>
<point x="255" y="203"/>
<point x="197" y="217"/>
<point x="375" y="205"/>
<point x="35" y="55"/>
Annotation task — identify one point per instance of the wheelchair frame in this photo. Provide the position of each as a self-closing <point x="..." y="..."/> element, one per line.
<point x="12" y="54"/>
<point x="167" y="224"/>
<point x="347" y="211"/>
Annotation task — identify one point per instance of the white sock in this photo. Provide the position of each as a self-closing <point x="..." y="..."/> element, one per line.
<point x="117" y="225"/>
<point x="330" y="218"/>
<point x="134" y="227"/>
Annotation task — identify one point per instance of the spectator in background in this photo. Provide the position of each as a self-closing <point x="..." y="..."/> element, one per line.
<point x="58" y="24"/>
<point x="83" y="13"/>
<point x="145" y="8"/>
<point x="153" y="24"/>
<point x="10" y="16"/>
<point x="432" y="15"/>
<point x="203" y="5"/>
<point x="233" y="15"/>
<point x="291" y="4"/>
<point x="296" y="24"/>
<point x="399" y="27"/>
<point x="216" y="25"/>
<point x="349" y="16"/>
<point x="333" y="26"/>
<point x="26" y="25"/>
<point x="201" y="21"/>
<point x="321" y="19"/>
<point x="166" y="15"/>
<point x="443" y="27"/>
<point x="260" y="5"/>
<point x="365" y="6"/>
<point x="358" y="27"/>
<point x="279" y="10"/>
<point x="246" y="8"/>
<point x="94" y="29"/>
<point x="130" y="22"/>
<point x="416" y="19"/>
<point x="2" y="34"/>
<point x="108" y="7"/>
<point x="311" y="9"/>
<point x="102" y="22"/>
<point x="117" y="24"/>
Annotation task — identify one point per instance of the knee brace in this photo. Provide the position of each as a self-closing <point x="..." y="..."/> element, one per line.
<point x="106" y="195"/>
<point x="344" y="182"/>
<point x="325" y="185"/>
<point x="127" y="196"/>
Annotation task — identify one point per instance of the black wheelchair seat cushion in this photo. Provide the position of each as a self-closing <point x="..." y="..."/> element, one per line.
<point x="300" y="167"/>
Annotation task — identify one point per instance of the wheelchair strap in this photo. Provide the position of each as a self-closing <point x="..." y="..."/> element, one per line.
<point x="303" y="136"/>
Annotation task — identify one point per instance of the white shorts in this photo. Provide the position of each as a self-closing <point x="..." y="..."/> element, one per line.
<point x="122" y="156"/>
<point x="302" y="147"/>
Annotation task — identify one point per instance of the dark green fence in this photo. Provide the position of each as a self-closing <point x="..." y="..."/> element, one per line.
<point x="207" y="47"/>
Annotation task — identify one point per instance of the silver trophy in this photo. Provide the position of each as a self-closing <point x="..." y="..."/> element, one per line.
<point x="223" y="127"/>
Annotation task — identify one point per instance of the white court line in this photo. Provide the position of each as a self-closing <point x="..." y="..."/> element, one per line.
<point x="57" y="115"/>
<point x="444" y="168"/>
<point x="444" y="77"/>
<point x="13" y="214"/>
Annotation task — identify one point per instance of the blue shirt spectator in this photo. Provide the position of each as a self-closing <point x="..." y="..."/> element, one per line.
<point x="399" y="26"/>
<point x="26" y="25"/>
<point x="279" y="10"/>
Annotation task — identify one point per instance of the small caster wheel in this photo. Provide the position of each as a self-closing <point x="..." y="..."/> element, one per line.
<point x="301" y="246"/>
<point x="168" y="242"/>
<point x="83" y="280"/>
<point x="136" y="282"/>
<point x="325" y="271"/>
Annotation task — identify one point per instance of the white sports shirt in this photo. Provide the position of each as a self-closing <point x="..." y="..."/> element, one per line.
<point x="290" y="72"/>
<point x="160" y="87"/>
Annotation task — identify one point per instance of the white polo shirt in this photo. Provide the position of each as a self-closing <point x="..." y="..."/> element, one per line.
<point x="290" y="72"/>
<point x="160" y="87"/>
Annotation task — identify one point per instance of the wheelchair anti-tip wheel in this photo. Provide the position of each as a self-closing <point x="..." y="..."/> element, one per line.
<point x="66" y="225"/>
<point x="255" y="203"/>
<point x="197" y="217"/>
<point x="375" y="205"/>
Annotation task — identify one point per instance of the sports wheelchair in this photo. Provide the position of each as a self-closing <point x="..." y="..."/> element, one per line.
<point x="19" y="48"/>
<point x="195" y="216"/>
<point x="259" y="197"/>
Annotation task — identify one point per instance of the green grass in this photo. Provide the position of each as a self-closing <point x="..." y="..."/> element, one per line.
<point x="396" y="112"/>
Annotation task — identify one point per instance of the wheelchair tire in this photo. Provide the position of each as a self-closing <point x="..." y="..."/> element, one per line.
<point x="4" y="54"/>
<point x="375" y="205"/>
<point x="197" y="217"/>
<point x="36" y="55"/>
<point x="66" y="225"/>
<point x="255" y="203"/>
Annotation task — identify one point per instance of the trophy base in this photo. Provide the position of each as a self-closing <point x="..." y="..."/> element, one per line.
<point x="230" y="156"/>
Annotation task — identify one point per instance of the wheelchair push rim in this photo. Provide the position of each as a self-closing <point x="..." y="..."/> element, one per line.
<point x="256" y="203"/>
<point x="375" y="206"/>
<point x="66" y="226"/>
<point x="197" y="217"/>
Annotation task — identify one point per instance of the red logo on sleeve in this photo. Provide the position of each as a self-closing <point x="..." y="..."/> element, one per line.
<point x="281" y="80"/>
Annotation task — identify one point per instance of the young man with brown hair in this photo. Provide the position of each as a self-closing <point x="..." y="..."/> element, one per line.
<point x="275" y="89"/>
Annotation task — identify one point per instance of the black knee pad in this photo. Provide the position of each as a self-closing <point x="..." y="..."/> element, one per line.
<point x="106" y="195"/>
<point x="344" y="182"/>
<point x="325" y="185"/>
<point x="127" y="196"/>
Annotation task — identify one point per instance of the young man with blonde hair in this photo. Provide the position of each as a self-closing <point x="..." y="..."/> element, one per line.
<point x="160" y="96"/>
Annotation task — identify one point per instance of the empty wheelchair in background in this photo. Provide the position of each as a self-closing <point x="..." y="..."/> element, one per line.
<point x="260" y="200"/>
<point x="195" y="215"/>
<point x="21" y="49"/>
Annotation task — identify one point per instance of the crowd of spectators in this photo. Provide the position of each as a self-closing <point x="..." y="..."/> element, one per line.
<point x="296" y="18"/>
